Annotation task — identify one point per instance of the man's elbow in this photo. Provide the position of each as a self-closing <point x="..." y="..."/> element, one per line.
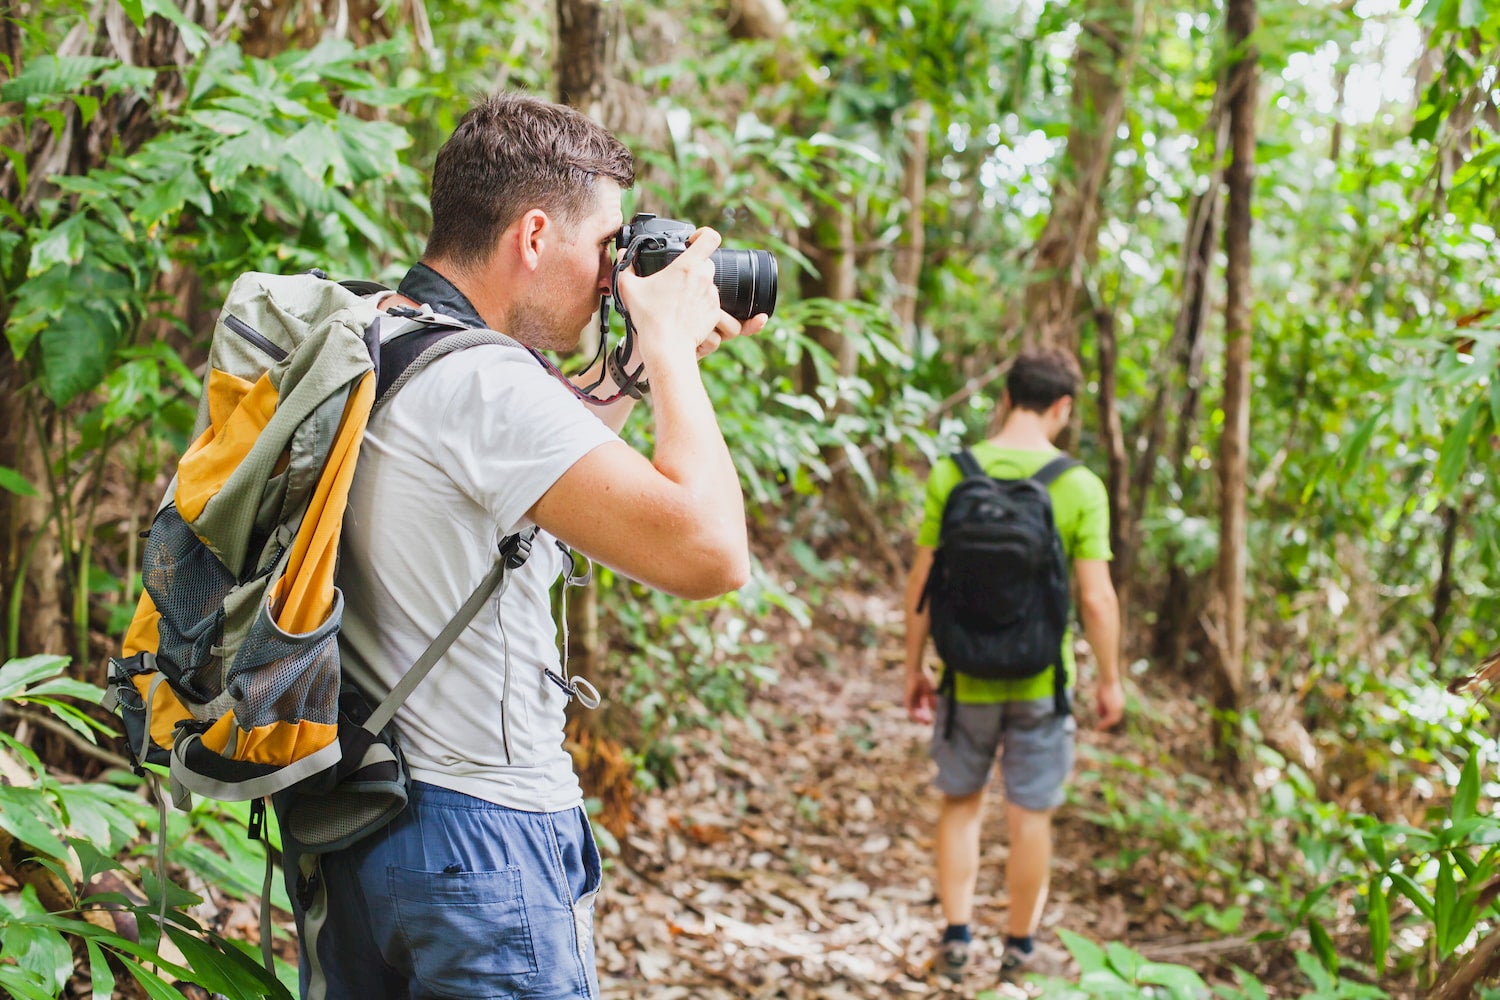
<point x="715" y="562"/>
<point x="1099" y="604"/>
<point x="713" y="575"/>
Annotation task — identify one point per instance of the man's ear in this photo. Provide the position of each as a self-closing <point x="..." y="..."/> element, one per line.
<point x="530" y="236"/>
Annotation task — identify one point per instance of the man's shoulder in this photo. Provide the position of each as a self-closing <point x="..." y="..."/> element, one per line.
<point x="481" y="372"/>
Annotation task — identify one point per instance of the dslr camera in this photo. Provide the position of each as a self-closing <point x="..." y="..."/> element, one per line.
<point x="746" y="279"/>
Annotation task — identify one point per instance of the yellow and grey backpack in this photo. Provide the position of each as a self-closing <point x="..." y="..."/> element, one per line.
<point x="229" y="675"/>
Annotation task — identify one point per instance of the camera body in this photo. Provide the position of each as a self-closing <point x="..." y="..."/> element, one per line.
<point x="746" y="279"/>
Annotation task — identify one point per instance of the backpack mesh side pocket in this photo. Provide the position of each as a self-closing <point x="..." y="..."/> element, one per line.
<point x="187" y="584"/>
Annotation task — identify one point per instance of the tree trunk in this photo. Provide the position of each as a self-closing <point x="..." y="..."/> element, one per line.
<point x="1186" y="349"/>
<point x="582" y="55"/>
<point x="907" y="268"/>
<point x="1442" y="593"/>
<point x="582" y="63"/>
<point x="1121" y="525"/>
<point x="1234" y="443"/>
<point x="1055" y="297"/>
<point x="1178" y="610"/>
<point x="830" y="246"/>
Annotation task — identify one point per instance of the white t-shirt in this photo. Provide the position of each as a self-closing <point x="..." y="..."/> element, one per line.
<point x="448" y="468"/>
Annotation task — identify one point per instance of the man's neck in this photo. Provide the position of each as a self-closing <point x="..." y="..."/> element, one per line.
<point x="1024" y="431"/>
<point x="489" y="308"/>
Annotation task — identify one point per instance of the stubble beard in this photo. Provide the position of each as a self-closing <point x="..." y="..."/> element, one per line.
<point x="537" y="325"/>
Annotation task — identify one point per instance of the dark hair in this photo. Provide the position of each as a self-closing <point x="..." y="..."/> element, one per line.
<point x="509" y="154"/>
<point x="1040" y="376"/>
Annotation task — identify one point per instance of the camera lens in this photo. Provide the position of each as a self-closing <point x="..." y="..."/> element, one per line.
<point x="746" y="280"/>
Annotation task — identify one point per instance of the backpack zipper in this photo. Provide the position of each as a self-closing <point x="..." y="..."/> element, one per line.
<point x="254" y="336"/>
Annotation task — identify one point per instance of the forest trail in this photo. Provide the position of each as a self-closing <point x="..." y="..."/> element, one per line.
<point x="794" y="859"/>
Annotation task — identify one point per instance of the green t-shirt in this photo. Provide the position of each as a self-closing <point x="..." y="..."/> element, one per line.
<point x="1080" y="508"/>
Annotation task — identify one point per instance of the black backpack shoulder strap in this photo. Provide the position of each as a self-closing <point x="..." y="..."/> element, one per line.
<point x="361" y="287"/>
<point x="968" y="464"/>
<point x="1048" y="473"/>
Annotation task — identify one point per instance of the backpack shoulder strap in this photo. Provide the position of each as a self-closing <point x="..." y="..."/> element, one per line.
<point x="407" y="353"/>
<point x="968" y="464"/>
<point x="1048" y="473"/>
<point x="513" y="552"/>
<point x="361" y="287"/>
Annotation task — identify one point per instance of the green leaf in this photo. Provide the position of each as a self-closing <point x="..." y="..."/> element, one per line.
<point x="1181" y="980"/>
<point x="13" y="482"/>
<point x="194" y="36"/>
<point x="68" y="715"/>
<point x="1357" y="451"/>
<point x="21" y="812"/>
<point x="17" y="675"/>
<point x="1471" y="13"/>
<point x="1124" y="961"/>
<point x="77" y="347"/>
<point x="1379" y="916"/>
<point x="1414" y="894"/>
<point x="52" y="78"/>
<point x="21" y="985"/>
<point x="1374" y="844"/>
<point x="1327" y="951"/>
<point x="1455" y="451"/>
<point x="107" y="816"/>
<point x="1444" y="900"/>
<point x="162" y="202"/>
<point x="223" y="968"/>
<point x="156" y="987"/>
<point x="92" y="861"/>
<point x="61" y="246"/>
<point x="44" y="953"/>
<point x="101" y="979"/>
<point x="1466" y="796"/>
<point x="1090" y="956"/>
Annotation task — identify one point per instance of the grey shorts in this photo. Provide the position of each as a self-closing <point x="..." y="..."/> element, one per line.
<point x="1034" y="743"/>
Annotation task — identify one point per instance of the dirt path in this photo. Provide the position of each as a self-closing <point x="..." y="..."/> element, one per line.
<point x="795" y="859"/>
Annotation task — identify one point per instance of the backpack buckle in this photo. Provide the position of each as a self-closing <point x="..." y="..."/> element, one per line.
<point x="515" y="550"/>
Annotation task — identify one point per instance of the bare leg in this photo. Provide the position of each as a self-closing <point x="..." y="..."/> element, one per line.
<point x="958" y="854"/>
<point x="1028" y="869"/>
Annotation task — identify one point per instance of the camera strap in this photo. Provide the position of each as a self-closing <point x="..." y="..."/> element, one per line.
<point x="634" y="383"/>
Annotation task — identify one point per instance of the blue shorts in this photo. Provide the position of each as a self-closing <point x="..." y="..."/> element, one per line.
<point x="456" y="898"/>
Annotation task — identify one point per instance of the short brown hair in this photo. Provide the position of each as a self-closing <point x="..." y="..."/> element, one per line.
<point x="509" y="154"/>
<point x="1040" y="376"/>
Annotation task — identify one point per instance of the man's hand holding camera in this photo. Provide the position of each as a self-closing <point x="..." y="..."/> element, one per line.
<point x="680" y="304"/>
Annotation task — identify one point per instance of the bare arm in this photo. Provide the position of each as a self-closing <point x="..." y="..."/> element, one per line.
<point x="1099" y="608"/>
<point x="612" y="414"/>
<point x="920" y="695"/>
<point x="677" y="521"/>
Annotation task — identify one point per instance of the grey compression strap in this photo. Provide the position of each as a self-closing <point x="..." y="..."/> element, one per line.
<point x="435" y="650"/>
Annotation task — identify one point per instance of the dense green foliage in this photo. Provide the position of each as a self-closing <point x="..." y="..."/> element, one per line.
<point x="1376" y="395"/>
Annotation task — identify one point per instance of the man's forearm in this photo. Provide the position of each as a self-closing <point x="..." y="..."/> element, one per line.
<point x="612" y="414"/>
<point x="918" y="623"/>
<point x="1101" y="626"/>
<point x="690" y="448"/>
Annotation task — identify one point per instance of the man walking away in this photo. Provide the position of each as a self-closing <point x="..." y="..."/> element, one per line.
<point x="1025" y="721"/>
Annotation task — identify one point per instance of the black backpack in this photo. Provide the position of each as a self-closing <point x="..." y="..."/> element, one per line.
<point x="999" y="582"/>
